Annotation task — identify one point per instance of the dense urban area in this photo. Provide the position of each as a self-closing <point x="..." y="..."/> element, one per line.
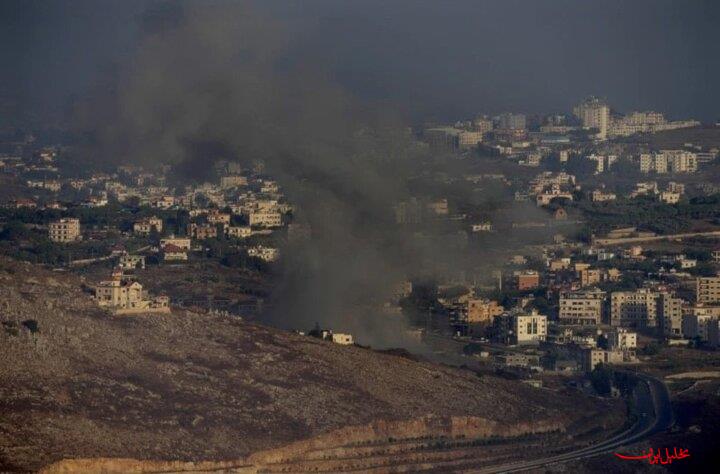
<point x="603" y="229"/>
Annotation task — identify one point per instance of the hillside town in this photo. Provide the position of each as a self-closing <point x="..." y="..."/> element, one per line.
<point x="592" y="273"/>
<point x="478" y="236"/>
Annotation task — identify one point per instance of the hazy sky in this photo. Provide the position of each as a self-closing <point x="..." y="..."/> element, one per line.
<point x="430" y="58"/>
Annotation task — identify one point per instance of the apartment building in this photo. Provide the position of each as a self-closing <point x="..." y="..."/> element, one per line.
<point x="265" y="218"/>
<point x="528" y="328"/>
<point x="582" y="307"/>
<point x="594" y="113"/>
<point x="653" y="162"/>
<point x="64" y="230"/>
<point x="669" y="161"/>
<point x="680" y="161"/>
<point x="670" y="314"/>
<point x="636" y="309"/>
<point x="707" y="290"/>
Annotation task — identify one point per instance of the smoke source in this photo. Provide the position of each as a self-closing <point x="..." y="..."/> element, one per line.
<point x="217" y="80"/>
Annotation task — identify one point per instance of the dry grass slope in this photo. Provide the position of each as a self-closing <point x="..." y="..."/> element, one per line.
<point x="193" y="387"/>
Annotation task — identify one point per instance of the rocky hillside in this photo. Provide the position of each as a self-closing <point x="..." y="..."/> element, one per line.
<point x="76" y="382"/>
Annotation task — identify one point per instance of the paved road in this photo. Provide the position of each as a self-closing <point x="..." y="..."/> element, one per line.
<point x="653" y="400"/>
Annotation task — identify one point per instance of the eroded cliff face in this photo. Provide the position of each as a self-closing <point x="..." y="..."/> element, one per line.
<point x="346" y="448"/>
<point x="428" y="427"/>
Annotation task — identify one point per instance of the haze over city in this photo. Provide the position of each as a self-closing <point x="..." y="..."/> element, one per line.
<point x="442" y="59"/>
<point x="398" y="236"/>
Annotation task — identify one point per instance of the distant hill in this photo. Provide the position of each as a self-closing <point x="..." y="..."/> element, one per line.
<point x="76" y="382"/>
<point x="706" y="137"/>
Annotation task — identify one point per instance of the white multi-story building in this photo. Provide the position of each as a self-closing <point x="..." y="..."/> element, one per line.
<point x="528" y="328"/>
<point x="594" y="113"/>
<point x="673" y="161"/>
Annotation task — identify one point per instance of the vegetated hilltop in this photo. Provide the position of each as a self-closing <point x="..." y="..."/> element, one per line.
<point x="76" y="382"/>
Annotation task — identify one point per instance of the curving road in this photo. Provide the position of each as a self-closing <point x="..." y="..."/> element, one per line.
<point x="656" y="415"/>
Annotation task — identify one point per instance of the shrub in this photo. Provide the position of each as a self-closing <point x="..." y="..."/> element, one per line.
<point x="32" y="325"/>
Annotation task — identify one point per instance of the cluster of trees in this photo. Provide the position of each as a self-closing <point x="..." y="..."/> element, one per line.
<point x="21" y="243"/>
<point x="603" y="379"/>
<point x="646" y="213"/>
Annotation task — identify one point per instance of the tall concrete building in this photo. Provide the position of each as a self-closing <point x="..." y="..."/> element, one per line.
<point x="582" y="307"/>
<point x="707" y="290"/>
<point x="594" y="113"/>
<point x="636" y="309"/>
<point x="670" y="314"/>
<point x="681" y="161"/>
<point x="528" y="328"/>
<point x="508" y="121"/>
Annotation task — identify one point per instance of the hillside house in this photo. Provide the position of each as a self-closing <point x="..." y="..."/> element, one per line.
<point x="124" y="296"/>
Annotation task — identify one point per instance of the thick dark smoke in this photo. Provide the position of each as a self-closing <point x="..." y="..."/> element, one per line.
<point x="218" y="80"/>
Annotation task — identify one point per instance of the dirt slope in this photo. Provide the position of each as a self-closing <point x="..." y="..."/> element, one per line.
<point x="187" y="386"/>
